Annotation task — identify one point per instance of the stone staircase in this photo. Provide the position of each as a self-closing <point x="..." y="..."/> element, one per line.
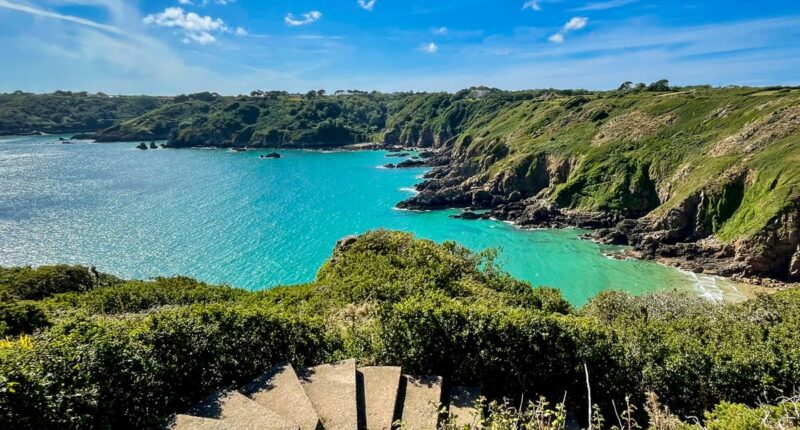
<point x="336" y="396"/>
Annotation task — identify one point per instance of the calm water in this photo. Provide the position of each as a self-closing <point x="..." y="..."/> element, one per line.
<point x="233" y="218"/>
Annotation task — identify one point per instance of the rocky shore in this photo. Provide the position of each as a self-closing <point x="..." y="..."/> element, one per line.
<point x="677" y="238"/>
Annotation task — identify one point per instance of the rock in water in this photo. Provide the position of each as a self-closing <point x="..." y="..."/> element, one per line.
<point x="141" y="146"/>
<point x="411" y="163"/>
<point x="467" y="215"/>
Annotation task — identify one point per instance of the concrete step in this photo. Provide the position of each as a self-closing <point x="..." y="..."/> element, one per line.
<point x="332" y="390"/>
<point x="280" y="391"/>
<point x="188" y="422"/>
<point x="378" y="387"/>
<point x="461" y="405"/>
<point x="239" y="412"/>
<point x="419" y="401"/>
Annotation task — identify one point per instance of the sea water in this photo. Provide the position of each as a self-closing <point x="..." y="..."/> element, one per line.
<point x="234" y="218"/>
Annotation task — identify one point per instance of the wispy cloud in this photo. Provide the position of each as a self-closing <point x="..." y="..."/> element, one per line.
<point x="204" y="3"/>
<point x="367" y="4"/>
<point x="306" y="18"/>
<point x="532" y="5"/>
<point x="195" y="28"/>
<point x="430" y="48"/>
<point x="611" y="4"/>
<point x="574" y="24"/>
<point x="48" y="14"/>
<point x="441" y="31"/>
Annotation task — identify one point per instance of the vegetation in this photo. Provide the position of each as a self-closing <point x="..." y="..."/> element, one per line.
<point x="68" y="112"/>
<point x="128" y="353"/>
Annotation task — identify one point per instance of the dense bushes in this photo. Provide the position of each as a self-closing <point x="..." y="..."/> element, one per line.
<point x="25" y="283"/>
<point x="20" y="317"/>
<point x="133" y="372"/>
<point x="128" y="354"/>
<point x="65" y="111"/>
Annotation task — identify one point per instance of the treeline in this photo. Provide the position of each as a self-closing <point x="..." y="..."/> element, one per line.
<point x="111" y="353"/>
<point x="69" y="112"/>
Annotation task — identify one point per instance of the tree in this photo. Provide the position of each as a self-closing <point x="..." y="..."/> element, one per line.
<point x="625" y="86"/>
<point x="659" y="86"/>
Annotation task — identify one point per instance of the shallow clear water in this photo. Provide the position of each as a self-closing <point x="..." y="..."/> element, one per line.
<point x="227" y="217"/>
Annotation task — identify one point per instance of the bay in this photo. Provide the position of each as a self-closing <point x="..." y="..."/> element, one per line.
<point x="234" y="218"/>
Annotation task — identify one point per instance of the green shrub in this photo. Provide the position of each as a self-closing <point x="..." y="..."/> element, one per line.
<point x="134" y="372"/>
<point x="21" y="317"/>
<point x="138" y="296"/>
<point x="26" y="283"/>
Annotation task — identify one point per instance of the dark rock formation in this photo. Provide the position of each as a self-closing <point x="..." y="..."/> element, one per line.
<point x="410" y="163"/>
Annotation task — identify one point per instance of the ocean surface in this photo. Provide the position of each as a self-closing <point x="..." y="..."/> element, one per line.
<point x="233" y="218"/>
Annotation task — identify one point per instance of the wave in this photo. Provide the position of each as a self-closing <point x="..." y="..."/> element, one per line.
<point x="410" y="190"/>
<point x="715" y="288"/>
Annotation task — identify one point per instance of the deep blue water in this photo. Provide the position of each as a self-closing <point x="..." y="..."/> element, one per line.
<point x="227" y="217"/>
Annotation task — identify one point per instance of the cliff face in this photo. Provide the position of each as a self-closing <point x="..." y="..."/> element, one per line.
<point x="706" y="179"/>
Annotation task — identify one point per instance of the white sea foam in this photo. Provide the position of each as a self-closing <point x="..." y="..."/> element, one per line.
<point x="410" y="190"/>
<point x="711" y="288"/>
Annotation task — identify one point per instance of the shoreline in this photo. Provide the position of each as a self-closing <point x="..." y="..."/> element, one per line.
<point x="744" y="288"/>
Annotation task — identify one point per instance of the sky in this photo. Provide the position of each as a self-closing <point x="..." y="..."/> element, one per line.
<point x="235" y="46"/>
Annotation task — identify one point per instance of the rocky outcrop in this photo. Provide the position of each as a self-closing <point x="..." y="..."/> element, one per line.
<point x="683" y="235"/>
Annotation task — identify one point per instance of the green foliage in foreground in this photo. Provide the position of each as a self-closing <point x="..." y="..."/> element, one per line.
<point x="129" y="353"/>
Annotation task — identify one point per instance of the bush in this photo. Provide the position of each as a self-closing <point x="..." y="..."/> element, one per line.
<point x="21" y="317"/>
<point x="26" y="283"/>
<point x="138" y="296"/>
<point x="133" y="373"/>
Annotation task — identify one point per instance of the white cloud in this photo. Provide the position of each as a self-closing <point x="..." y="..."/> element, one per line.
<point x="195" y="28"/>
<point x="532" y="5"/>
<point x="175" y="17"/>
<point x="574" y="24"/>
<point x="430" y="48"/>
<point x="441" y="31"/>
<point x="306" y="18"/>
<point x="202" y="38"/>
<point x="185" y="2"/>
<point x="367" y="4"/>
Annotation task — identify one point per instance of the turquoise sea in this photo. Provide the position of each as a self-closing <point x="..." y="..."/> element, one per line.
<point x="228" y="217"/>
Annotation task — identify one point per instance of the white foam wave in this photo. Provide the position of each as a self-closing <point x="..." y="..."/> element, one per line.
<point x="410" y="190"/>
<point x="707" y="287"/>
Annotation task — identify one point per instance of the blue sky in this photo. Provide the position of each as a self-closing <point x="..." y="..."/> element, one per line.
<point x="235" y="46"/>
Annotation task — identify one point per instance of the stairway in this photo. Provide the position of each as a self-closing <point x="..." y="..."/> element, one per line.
<point x="335" y="396"/>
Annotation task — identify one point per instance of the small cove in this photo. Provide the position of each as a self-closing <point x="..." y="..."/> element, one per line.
<point x="233" y="218"/>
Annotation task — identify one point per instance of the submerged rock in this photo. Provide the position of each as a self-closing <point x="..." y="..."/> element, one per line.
<point x="468" y="215"/>
<point x="271" y="155"/>
<point x="411" y="163"/>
